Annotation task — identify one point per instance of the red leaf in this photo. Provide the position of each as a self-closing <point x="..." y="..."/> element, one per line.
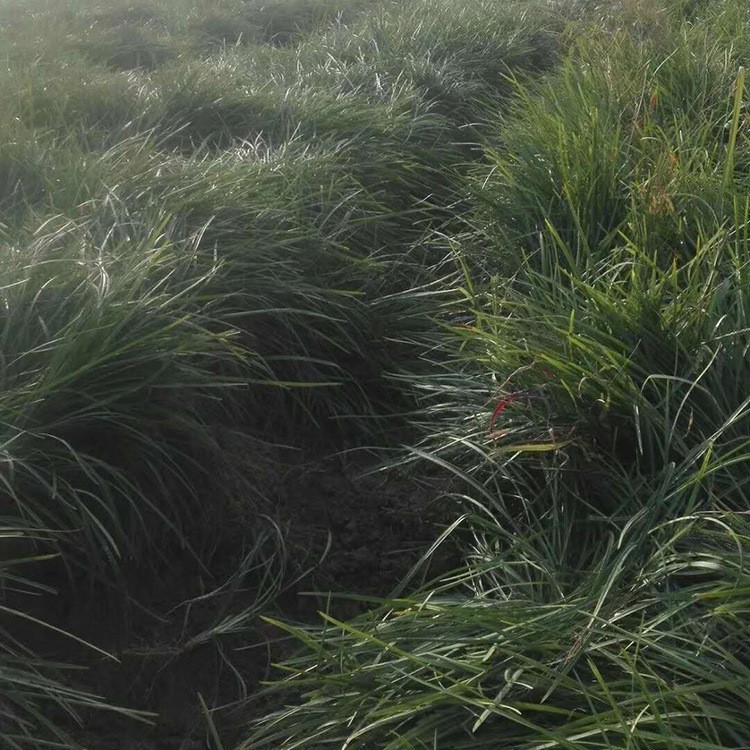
<point x="500" y="408"/>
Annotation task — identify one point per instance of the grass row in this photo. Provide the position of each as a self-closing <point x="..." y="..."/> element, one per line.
<point x="516" y="244"/>
<point x="595" y="421"/>
<point x="215" y="218"/>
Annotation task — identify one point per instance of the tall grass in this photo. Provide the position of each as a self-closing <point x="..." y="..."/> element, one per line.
<point x="98" y="350"/>
<point x="214" y="223"/>
<point x="594" y="424"/>
<point x="516" y="243"/>
<point x="636" y="647"/>
<point x="37" y="694"/>
<point x="615" y="142"/>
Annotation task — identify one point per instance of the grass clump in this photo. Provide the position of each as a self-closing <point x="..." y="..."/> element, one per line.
<point x="631" y="649"/>
<point x="89" y="389"/>
<point x="634" y="141"/>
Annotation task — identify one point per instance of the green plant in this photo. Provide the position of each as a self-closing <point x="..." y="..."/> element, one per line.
<point x="589" y="403"/>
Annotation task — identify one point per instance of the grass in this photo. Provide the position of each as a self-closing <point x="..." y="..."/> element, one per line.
<point x="506" y="653"/>
<point x="504" y="245"/>
<point x="593" y="418"/>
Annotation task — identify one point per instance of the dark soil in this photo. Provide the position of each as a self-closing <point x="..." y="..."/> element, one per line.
<point x="344" y="530"/>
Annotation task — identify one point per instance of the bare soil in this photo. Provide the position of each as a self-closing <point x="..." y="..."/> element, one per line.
<point x="345" y="530"/>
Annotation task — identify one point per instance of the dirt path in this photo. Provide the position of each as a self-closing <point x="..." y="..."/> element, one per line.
<point x="350" y="530"/>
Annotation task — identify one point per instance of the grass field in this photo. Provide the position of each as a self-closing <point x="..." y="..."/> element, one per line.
<point x="375" y="374"/>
